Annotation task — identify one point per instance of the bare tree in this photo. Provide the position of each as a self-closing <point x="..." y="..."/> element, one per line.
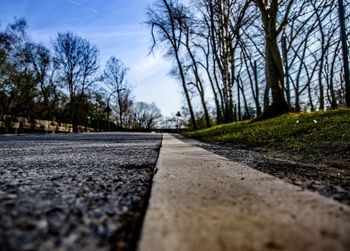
<point x="270" y="11"/>
<point x="212" y="76"/>
<point x="218" y="14"/>
<point x="17" y="86"/>
<point x="43" y="70"/>
<point x="165" y="29"/>
<point x="224" y="20"/>
<point x="114" y="76"/>
<point x="187" y="26"/>
<point x="77" y="67"/>
<point x="146" y="116"/>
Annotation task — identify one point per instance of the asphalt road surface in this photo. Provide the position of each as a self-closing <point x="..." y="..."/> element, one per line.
<point x="74" y="192"/>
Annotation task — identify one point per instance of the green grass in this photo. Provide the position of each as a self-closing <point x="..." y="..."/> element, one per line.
<point x="305" y="133"/>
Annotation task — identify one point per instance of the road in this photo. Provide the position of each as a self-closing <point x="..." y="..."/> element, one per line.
<point x="88" y="192"/>
<point x="74" y="191"/>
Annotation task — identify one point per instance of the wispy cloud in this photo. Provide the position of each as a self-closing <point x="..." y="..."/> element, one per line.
<point x="79" y="4"/>
<point x="93" y="32"/>
<point x="150" y="65"/>
<point x="114" y="32"/>
<point x="76" y="3"/>
<point x="93" y="11"/>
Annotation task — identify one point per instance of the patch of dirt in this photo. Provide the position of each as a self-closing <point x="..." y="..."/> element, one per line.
<point x="329" y="175"/>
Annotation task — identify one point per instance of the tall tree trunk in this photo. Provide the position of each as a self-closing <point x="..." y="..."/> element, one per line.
<point x="333" y="99"/>
<point x="286" y="66"/>
<point x="275" y="77"/>
<point x="257" y="102"/>
<point x="187" y="95"/>
<point x="239" y="112"/>
<point x="225" y="40"/>
<point x="320" y="79"/>
<point x="211" y="81"/>
<point x="273" y="61"/>
<point x="311" y="103"/>
<point x="198" y="83"/>
<point x="246" y="114"/>
<point x="215" y="74"/>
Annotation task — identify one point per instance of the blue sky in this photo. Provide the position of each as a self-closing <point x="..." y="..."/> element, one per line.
<point x="116" y="27"/>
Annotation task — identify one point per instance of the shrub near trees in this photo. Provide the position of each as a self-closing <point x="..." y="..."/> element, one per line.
<point x="256" y="58"/>
<point x="65" y="84"/>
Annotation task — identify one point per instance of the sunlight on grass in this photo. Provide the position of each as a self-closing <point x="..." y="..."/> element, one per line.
<point x="294" y="132"/>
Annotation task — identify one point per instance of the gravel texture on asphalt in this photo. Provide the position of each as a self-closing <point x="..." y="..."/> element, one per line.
<point x="74" y="192"/>
<point x="329" y="181"/>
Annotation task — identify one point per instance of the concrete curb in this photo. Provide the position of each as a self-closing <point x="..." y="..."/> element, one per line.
<point x="202" y="201"/>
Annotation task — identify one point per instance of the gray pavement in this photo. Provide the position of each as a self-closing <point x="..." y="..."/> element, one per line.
<point x="202" y="201"/>
<point x="74" y="191"/>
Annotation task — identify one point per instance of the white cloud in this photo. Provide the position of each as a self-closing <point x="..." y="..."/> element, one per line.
<point x="150" y="65"/>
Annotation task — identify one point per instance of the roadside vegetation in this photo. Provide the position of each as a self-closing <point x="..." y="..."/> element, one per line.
<point x="314" y="135"/>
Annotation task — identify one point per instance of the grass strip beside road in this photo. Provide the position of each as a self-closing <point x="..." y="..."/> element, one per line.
<point x="310" y="134"/>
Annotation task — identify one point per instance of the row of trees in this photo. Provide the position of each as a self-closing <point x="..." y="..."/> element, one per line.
<point x="65" y="84"/>
<point x="256" y="58"/>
